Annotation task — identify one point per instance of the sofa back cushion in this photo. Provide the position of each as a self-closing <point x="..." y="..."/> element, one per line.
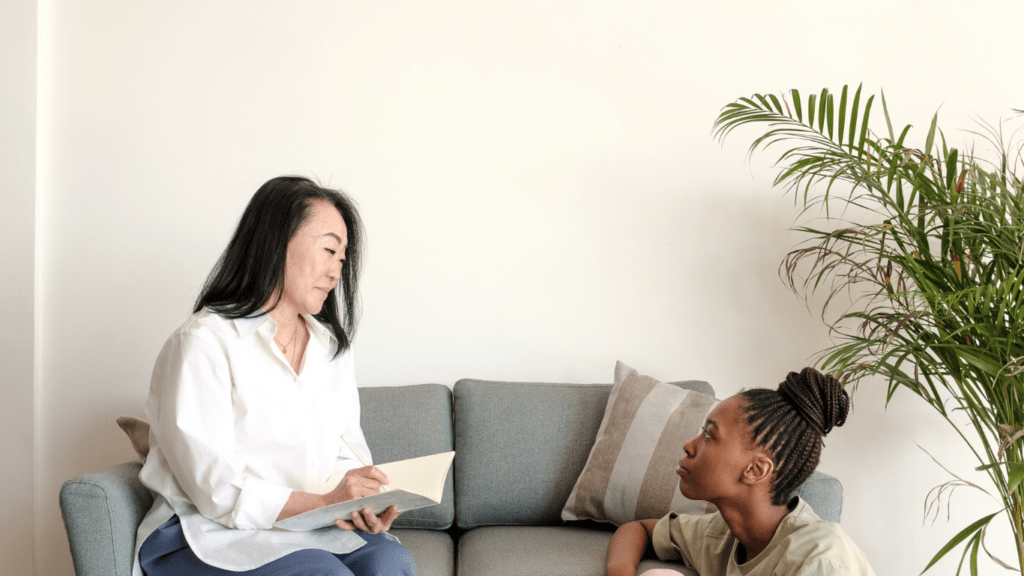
<point x="519" y="447"/>
<point x="403" y="422"/>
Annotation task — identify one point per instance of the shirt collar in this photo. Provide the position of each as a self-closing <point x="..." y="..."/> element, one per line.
<point x="320" y="331"/>
<point x="249" y="324"/>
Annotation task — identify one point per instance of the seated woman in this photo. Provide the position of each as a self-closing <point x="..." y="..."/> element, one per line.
<point x="755" y="450"/>
<point x="253" y="405"/>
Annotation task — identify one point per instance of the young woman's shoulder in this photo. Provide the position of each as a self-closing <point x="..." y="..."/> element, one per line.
<point x="814" y="546"/>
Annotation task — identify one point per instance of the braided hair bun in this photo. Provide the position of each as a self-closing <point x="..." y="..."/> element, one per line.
<point x="789" y="424"/>
<point x="818" y="398"/>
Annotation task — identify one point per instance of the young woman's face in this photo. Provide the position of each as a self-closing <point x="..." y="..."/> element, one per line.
<point x="715" y="460"/>
<point x="316" y="254"/>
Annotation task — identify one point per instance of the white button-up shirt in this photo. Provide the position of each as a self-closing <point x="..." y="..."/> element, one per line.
<point x="234" y="430"/>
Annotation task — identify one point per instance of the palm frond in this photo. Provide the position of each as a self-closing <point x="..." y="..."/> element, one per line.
<point x="934" y="289"/>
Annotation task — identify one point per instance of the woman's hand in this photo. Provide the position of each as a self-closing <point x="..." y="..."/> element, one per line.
<point x="366" y="521"/>
<point x="357" y="483"/>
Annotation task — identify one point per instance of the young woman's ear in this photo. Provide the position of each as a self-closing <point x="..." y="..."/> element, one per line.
<point x="759" y="470"/>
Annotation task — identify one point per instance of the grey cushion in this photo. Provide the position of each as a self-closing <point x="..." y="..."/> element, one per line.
<point x="824" y="494"/>
<point x="101" y="512"/>
<point x="540" y="551"/>
<point x="433" y="550"/>
<point x="519" y="448"/>
<point x="403" y="422"/>
<point x="533" y="551"/>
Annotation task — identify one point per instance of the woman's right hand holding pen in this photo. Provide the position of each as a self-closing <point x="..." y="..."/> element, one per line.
<point x="357" y="483"/>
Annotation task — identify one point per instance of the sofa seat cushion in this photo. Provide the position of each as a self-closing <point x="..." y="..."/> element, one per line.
<point x="540" y="551"/>
<point x="433" y="550"/>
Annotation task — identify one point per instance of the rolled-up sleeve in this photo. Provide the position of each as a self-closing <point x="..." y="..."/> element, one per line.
<point x="193" y="421"/>
<point x="692" y="540"/>
<point x="661" y="539"/>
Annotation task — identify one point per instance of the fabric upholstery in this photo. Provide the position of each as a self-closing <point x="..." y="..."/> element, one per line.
<point x="824" y="494"/>
<point x="402" y="422"/>
<point x="519" y="448"/>
<point x="540" y="551"/>
<point x="630" y="473"/>
<point x="532" y="551"/>
<point x="433" y="550"/>
<point x="137" y="430"/>
<point x="101" y="512"/>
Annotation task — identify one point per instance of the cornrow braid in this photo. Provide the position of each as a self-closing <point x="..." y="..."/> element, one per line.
<point x="790" y="423"/>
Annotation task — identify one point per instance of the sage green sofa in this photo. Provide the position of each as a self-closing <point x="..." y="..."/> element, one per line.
<point x="519" y="449"/>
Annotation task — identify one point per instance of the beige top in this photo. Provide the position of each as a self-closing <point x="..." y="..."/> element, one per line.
<point x="803" y="545"/>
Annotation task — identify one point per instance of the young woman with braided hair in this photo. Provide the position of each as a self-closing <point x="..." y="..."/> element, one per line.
<point x="755" y="450"/>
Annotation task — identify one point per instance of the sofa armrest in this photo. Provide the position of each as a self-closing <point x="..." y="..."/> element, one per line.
<point x="824" y="494"/>
<point x="102" y="510"/>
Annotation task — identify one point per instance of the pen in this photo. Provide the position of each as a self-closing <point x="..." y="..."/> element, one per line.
<point x="361" y="458"/>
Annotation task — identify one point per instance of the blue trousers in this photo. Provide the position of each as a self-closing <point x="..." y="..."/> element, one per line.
<point x="166" y="553"/>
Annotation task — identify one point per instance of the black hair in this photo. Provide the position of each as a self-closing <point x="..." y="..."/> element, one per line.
<point x="250" y="271"/>
<point x="790" y="423"/>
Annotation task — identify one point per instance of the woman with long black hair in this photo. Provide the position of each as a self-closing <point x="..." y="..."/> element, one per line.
<point x="253" y="405"/>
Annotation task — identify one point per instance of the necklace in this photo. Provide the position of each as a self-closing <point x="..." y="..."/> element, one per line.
<point x="284" y="347"/>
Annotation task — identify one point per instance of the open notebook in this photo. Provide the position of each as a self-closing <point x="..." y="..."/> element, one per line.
<point x="413" y="483"/>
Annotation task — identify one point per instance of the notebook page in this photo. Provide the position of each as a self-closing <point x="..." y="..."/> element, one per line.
<point x="424" y="475"/>
<point x="414" y="483"/>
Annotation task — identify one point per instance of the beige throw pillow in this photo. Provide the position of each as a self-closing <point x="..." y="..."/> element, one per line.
<point x="138" y="432"/>
<point x="631" y="472"/>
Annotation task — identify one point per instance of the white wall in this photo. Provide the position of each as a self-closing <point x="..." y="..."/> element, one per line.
<point x="539" y="184"/>
<point x="17" y="303"/>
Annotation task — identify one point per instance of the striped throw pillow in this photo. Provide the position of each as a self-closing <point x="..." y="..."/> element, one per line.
<point x="631" y="472"/>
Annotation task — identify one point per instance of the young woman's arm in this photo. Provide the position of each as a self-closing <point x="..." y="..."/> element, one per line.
<point x="628" y="546"/>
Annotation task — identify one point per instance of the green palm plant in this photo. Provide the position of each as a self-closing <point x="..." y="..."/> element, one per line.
<point x="935" y="272"/>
